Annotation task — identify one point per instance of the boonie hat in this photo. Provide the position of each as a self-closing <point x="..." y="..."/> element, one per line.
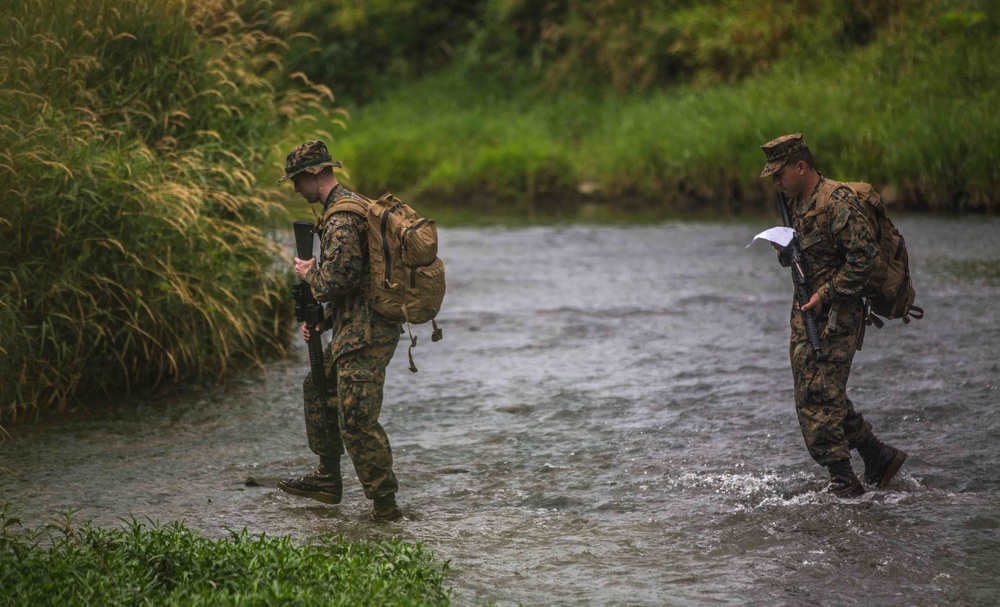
<point x="311" y="156"/>
<point x="778" y="151"/>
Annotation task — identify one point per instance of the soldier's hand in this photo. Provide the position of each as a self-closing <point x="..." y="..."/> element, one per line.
<point x="815" y="303"/>
<point x="302" y="267"/>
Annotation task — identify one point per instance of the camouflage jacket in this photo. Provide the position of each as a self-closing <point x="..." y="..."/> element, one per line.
<point x="839" y="251"/>
<point x="340" y="280"/>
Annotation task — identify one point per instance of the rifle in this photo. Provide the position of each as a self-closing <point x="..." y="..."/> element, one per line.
<point x="799" y="279"/>
<point x="310" y="311"/>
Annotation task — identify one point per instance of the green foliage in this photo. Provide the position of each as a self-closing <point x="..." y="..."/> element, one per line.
<point x="128" y="247"/>
<point x="363" y="46"/>
<point x="441" y="146"/>
<point x="68" y="565"/>
<point x="912" y="112"/>
<point x="634" y="45"/>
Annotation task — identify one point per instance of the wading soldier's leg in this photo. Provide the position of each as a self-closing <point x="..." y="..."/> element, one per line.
<point x="821" y="400"/>
<point x="325" y="482"/>
<point x="856" y="430"/>
<point x="830" y="424"/>
<point x="321" y="418"/>
<point x="826" y="416"/>
<point x="360" y="381"/>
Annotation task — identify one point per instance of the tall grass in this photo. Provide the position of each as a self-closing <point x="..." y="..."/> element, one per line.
<point x="69" y="565"/>
<point x="914" y="112"/>
<point x="130" y="251"/>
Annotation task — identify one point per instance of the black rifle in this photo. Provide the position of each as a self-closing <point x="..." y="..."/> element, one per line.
<point x="799" y="279"/>
<point x="310" y="311"/>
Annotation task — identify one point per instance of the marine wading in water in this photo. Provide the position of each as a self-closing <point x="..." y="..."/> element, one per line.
<point x="837" y="253"/>
<point x="346" y="414"/>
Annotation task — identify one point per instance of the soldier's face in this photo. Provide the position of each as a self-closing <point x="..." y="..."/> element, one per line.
<point x="307" y="186"/>
<point x="791" y="179"/>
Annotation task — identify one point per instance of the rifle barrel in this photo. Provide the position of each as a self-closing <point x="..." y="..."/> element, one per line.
<point x="799" y="280"/>
<point x="303" y="239"/>
<point x="308" y="310"/>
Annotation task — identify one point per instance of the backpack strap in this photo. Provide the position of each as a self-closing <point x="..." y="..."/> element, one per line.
<point x="348" y="204"/>
<point x="821" y="211"/>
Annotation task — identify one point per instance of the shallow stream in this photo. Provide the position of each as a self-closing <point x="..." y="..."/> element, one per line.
<point x="608" y="421"/>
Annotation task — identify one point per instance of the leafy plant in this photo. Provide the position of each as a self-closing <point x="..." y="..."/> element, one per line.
<point x="67" y="565"/>
<point x="131" y="242"/>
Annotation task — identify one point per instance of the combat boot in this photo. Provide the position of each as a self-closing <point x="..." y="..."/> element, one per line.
<point x="882" y="462"/>
<point x="384" y="508"/>
<point x="320" y="484"/>
<point x="843" y="482"/>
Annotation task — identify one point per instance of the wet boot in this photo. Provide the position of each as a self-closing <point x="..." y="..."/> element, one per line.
<point x="843" y="482"/>
<point x="384" y="508"/>
<point x="882" y="462"/>
<point x="324" y="483"/>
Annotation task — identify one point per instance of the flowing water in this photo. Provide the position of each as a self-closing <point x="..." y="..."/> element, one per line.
<point x="608" y="421"/>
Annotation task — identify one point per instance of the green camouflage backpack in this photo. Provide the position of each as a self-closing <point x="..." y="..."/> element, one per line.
<point x="406" y="279"/>
<point x="890" y="291"/>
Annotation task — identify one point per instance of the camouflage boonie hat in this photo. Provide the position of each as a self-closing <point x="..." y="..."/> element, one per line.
<point x="311" y="156"/>
<point x="778" y="151"/>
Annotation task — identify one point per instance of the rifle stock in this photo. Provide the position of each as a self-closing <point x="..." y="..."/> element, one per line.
<point x="799" y="279"/>
<point x="308" y="310"/>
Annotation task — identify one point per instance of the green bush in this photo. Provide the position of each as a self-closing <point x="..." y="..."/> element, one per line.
<point x="638" y="45"/>
<point x="69" y="565"/>
<point x="128" y="242"/>
<point x="364" y="46"/>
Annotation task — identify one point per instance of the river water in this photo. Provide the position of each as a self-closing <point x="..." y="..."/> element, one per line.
<point x="608" y="421"/>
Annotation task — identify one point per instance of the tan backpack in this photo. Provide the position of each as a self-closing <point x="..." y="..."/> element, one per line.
<point x="406" y="279"/>
<point x="890" y="291"/>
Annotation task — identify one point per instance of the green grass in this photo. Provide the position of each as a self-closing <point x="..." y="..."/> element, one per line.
<point x="134" y="245"/>
<point x="913" y="113"/>
<point x="69" y="565"/>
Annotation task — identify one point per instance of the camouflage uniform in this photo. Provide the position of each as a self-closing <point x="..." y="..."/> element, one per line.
<point x="356" y="359"/>
<point x="838" y="253"/>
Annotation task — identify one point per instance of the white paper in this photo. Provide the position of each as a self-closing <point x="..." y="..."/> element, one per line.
<point x="779" y="235"/>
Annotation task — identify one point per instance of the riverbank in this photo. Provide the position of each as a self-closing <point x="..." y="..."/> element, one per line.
<point x="913" y="113"/>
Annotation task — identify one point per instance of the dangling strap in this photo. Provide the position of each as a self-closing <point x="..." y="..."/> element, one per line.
<point x="409" y="351"/>
<point x="871" y="319"/>
<point x="914" y="312"/>
<point x="861" y="329"/>
<point x="436" y="335"/>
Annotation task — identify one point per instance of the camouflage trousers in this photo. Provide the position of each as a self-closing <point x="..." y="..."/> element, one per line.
<point x="830" y="425"/>
<point x="349" y="417"/>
